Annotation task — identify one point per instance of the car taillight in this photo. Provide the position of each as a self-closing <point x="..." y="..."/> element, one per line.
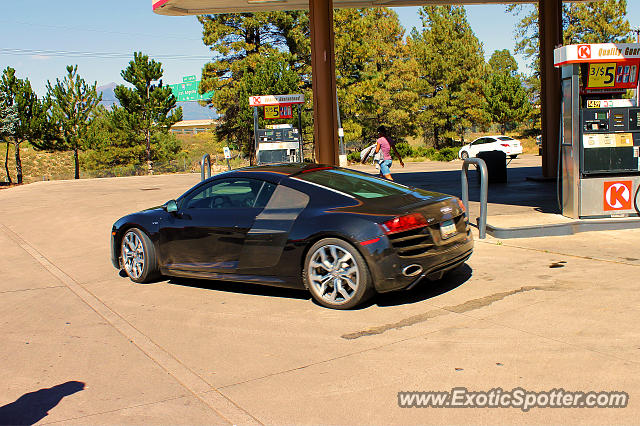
<point x="404" y="223"/>
<point x="506" y="145"/>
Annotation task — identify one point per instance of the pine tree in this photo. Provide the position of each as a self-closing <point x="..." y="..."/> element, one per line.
<point x="148" y="106"/>
<point x="245" y="46"/>
<point x="507" y="100"/>
<point x="74" y="105"/>
<point x="8" y="124"/>
<point x="451" y="73"/>
<point x="32" y="113"/>
<point x="593" y="22"/>
<point x="374" y="76"/>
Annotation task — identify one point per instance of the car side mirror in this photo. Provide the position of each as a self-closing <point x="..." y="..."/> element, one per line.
<point x="171" y="206"/>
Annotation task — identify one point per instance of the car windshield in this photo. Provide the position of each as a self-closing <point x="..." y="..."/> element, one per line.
<point x="506" y="138"/>
<point x="359" y="185"/>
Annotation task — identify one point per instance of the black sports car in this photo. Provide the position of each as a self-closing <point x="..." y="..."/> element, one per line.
<point x="339" y="233"/>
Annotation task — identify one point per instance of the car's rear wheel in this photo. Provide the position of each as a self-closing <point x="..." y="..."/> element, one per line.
<point x="464" y="155"/>
<point x="513" y="155"/>
<point x="138" y="256"/>
<point x="336" y="274"/>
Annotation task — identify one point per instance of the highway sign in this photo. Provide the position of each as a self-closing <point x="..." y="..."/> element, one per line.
<point x="188" y="91"/>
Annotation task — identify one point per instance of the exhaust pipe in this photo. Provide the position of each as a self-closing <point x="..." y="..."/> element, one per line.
<point x="412" y="270"/>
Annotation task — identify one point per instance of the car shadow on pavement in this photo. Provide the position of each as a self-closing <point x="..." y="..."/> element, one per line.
<point x="425" y="289"/>
<point x="240" y="287"/>
<point x="32" y="407"/>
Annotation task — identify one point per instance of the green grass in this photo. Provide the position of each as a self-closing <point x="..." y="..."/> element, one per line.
<point x="43" y="165"/>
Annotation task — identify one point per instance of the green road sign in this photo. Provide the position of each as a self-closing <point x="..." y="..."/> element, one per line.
<point x="188" y="78"/>
<point x="188" y="91"/>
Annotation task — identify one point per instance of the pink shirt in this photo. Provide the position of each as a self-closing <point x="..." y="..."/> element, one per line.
<point x="385" y="147"/>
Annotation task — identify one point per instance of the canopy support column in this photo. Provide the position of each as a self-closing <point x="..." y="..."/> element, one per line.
<point x="550" y="27"/>
<point x="325" y="117"/>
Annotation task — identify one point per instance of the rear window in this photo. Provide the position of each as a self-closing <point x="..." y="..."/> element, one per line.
<point x="359" y="185"/>
<point x="506" y="138"/>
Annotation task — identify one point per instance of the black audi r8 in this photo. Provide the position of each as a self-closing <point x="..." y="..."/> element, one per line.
<point x="339" y="233"/>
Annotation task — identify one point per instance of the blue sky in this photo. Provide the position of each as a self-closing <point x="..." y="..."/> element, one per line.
<point x="110" y="31"/>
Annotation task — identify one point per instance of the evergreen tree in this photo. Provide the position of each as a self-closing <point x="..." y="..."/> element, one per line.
<point x="374" y="76"/>
<point x="247" y="45"/>
<point x="507" y="100"/>
<point x="148" y="106"/>
<point x="74" y="105"/>
<point x="502" y="62"/>
<point x="593" y="22"/>
<point x="32" y="113"/>
<point x="8" y="124"/>
<point x="451" y="72"/>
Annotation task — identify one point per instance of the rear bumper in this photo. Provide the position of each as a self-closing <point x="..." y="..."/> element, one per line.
<point x="514" y="151"/>
<point x="387" y="270"/>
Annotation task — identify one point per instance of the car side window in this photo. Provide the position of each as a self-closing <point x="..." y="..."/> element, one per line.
<point x="480" y="141"/>
<point x="231" y="194"/>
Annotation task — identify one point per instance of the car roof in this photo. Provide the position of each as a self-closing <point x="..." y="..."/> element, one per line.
<point x="287" y="169"/>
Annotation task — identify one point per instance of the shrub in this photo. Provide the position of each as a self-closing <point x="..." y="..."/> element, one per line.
<point x="446" y="154"/>
<point x="353" y="157"/>
<point x="404" y="149"/>
<point x="423" y="151"/>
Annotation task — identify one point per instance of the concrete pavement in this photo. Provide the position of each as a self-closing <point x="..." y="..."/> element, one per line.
<point x="82" y="344"/>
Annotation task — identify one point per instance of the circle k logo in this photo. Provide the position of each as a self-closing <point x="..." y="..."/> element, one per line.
<point x="617" y="195"/>
<point x="584" y="51"/>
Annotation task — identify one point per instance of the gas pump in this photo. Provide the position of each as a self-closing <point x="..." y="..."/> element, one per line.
<point x="600" y="131"/>
<point x="279" y="143"/>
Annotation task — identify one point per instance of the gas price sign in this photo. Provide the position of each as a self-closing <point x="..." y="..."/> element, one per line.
<point x="272" y="112"/>
<point x="617" y="75"/>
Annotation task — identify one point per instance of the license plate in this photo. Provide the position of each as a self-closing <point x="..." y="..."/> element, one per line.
<point x="447" y="229"/>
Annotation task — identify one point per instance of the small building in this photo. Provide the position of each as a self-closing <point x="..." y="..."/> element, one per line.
<point x="192" y="127"/>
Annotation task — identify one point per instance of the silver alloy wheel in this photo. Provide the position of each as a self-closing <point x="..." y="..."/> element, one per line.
<point x="334" y="274"/>
<point x="133" y="255"/>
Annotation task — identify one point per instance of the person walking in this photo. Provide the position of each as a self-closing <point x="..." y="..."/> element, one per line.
<point x="385" y="144"/>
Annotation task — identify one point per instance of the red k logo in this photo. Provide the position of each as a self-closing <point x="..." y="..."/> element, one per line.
<point x="617" y="195"/>
<point x="584" y="51"/>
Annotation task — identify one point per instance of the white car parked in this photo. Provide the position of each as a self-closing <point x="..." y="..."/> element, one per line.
<point x="511" y="147"/>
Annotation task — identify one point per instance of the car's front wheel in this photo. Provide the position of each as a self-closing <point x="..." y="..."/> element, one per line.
<point x="464" y="155"/>
<point x="138" y="256"/>
<point x="336" y="274"/>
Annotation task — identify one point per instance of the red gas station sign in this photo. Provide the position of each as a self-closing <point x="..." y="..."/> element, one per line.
<point x="617" y="195"/>
<point x="613" y="75"/>
<point x="272" y="112"/>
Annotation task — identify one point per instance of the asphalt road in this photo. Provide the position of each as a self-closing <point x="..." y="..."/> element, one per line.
<point x="83" y="345"/>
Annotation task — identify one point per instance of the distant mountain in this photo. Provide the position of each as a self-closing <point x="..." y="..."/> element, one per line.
<point x="108" y="95"/>
<point x="190" y="110"/>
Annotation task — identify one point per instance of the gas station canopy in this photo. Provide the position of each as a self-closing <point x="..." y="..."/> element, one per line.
<point x="197" y="7"/>
<point x="323" y="66"/>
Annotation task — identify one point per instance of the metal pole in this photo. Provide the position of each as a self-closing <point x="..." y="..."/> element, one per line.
<point x="341" y="138"/>
<point x="206" y="159"/>
<point x="301" y="153"/>
<point x="482" y="167"/>
<point x="255" y="132"/>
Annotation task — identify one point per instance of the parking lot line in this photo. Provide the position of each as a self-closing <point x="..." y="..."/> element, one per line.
<point x="218" y="402"/>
